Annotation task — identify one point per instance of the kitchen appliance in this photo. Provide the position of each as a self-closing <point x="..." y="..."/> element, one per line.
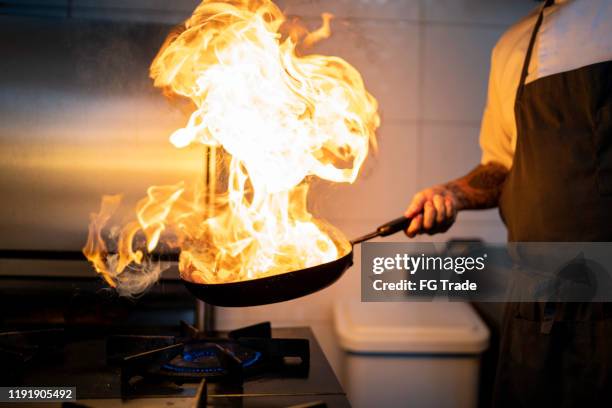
<point x="254" y="366"/>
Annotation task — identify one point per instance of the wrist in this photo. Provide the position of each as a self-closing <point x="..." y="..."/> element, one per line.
<point x="457" y="195"/>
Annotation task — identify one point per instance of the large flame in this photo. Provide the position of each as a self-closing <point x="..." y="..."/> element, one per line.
<point x="277" y="117"/>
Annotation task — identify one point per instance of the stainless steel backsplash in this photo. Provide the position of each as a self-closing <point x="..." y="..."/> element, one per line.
<point x="79" y="118"/>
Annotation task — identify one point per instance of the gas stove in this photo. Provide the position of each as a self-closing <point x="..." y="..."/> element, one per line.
<point x="61" y="330"/>
<point x="254" y="366"/>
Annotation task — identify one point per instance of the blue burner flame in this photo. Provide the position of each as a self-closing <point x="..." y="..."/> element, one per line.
<point x="252" y="360"/>
<point x="193" y="355"/>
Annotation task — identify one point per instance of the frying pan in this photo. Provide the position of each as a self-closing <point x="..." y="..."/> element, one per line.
<point x="289" y="285"/>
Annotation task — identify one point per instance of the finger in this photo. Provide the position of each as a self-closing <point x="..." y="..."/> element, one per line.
<point x="415" y="225"/>
<point x="416" y="206"/>
<point x="451" y="210"/>
<point x="438" y="203"/>
<point x="429" y="215"/>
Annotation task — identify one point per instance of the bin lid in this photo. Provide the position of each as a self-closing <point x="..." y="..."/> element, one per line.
<point x="415" y="327"/>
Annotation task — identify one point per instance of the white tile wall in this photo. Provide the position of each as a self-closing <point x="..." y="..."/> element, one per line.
<point x="386" y="184"/>
<point x="476" y="12"/>
<point x="456" y="65"/>
<point x="386" y="53"/>
<point x="448" y="151"/>
<point x="368" y="9"/>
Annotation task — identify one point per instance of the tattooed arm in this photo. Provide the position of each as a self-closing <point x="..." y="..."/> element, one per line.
<point x="435" y="209"/>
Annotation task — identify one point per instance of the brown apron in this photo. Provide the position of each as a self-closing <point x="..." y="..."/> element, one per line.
<point x="559" y="189"/>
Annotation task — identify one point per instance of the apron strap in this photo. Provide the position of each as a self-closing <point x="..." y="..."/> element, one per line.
<point x="550" y="310"/>
<point x="527" y="60"/>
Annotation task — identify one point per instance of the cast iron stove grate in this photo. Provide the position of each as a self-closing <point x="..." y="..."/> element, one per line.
<point x="193" y="356"/>
<point x="187" y="364"/>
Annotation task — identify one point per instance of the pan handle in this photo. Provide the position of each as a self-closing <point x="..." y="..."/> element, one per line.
<point x="396" y="225"/>
<point x="389" y="228"/>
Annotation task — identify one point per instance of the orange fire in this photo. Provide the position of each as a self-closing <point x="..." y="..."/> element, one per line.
<point x="274" y="118"/>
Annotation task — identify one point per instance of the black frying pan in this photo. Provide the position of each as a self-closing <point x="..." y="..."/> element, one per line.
<point x="286" y="286"/>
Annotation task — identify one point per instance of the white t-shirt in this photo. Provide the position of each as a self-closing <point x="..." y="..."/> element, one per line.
<point x="573" y="34"/>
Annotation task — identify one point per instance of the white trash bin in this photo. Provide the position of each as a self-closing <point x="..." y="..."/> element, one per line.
<point x="418" y="354"/>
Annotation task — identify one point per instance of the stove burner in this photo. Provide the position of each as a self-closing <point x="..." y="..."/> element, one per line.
<point x="193" y="356"/>
<point x="241" y="364"/>
<point x="206" y="358"/>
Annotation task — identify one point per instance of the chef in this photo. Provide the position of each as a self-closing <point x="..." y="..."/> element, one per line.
<point x="546" y="140"/>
